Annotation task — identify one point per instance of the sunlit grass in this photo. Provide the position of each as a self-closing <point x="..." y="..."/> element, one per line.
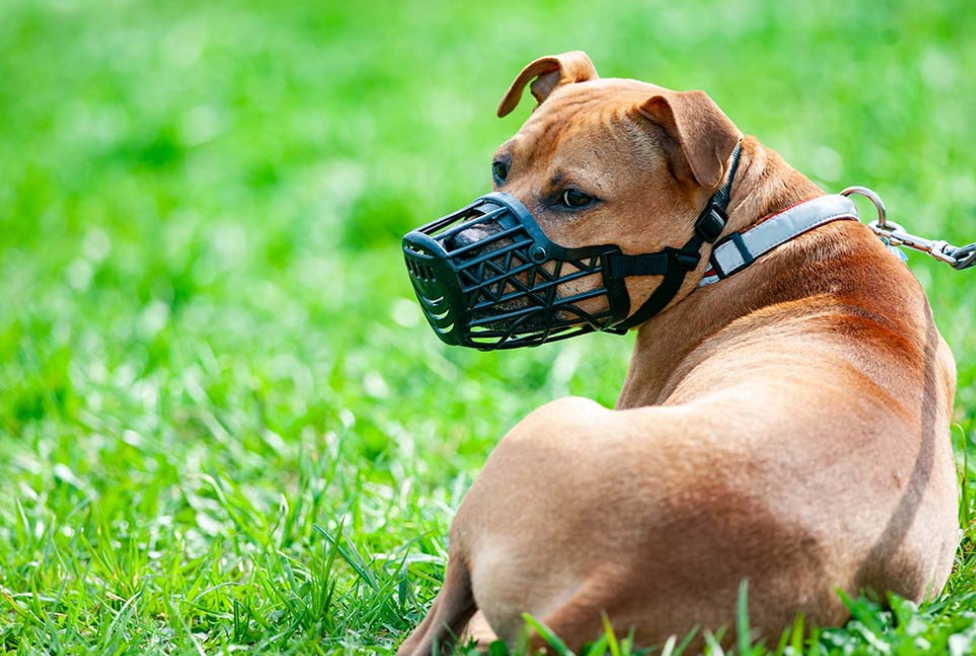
<point x="223" y="422"/>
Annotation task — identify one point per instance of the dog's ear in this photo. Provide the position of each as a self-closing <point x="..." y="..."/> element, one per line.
<point x="549" y="73"/>
<point x="704" y="134"/>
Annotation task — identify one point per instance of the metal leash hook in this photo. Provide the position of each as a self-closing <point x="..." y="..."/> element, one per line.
<point x="895" y="235"/>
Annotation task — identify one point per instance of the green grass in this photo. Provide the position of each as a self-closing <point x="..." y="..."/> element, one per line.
<point x="224" y="425"/>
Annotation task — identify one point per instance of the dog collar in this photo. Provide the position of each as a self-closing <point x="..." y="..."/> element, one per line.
<point x="740" y="249"/>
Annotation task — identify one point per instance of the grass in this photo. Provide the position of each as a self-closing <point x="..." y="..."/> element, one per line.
<point x="224" y="425"/>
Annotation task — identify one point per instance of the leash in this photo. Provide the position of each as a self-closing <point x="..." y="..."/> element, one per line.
<point x="892" y="234"/>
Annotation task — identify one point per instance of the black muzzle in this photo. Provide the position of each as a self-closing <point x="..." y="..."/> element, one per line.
<point x="488" y="277"/>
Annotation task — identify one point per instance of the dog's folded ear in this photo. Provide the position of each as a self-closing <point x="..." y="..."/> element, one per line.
<point x="705" y="135"/>
<point x="549" y="73"/>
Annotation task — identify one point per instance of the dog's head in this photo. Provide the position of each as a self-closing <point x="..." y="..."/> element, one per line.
<point x="594" y="197"/>
<point x="612" y="161"/>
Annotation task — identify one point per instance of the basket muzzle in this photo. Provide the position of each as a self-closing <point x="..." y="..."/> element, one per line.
<point x="487" y="277"/>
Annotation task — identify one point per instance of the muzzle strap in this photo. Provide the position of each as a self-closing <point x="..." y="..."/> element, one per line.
<point x="674" y="264"/>
<point x="651" y="264"/>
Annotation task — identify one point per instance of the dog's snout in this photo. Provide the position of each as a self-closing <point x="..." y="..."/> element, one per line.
<point x="473" y="235"/>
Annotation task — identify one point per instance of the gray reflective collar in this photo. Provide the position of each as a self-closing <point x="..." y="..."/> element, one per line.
<point x="740" y="249"/>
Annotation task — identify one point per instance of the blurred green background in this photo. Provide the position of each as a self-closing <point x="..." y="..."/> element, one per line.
<point x="224" y="424"/>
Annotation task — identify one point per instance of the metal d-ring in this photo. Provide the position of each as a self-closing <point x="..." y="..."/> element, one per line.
<point x="882" y="222"/>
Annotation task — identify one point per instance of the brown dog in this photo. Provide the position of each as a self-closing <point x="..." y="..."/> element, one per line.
<point x="788" y="426"/>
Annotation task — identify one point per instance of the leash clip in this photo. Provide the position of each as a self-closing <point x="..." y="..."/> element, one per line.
<point x="894" y="234"/>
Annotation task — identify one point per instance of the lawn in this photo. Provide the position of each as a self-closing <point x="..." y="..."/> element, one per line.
<point x="224" y="425"/>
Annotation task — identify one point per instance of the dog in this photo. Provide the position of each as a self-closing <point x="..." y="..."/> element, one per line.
<point x="788" y="426"/>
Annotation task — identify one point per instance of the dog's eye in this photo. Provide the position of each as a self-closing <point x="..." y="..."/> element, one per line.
<point x="574" y="198"/>
<point x="500" y="171"/>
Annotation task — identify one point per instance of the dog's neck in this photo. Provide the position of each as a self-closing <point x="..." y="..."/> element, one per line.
<point x="764" y="184"/>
